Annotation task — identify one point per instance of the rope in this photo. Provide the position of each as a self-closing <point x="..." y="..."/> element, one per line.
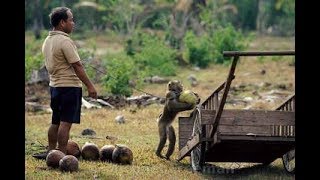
<point x="104" y="73"/>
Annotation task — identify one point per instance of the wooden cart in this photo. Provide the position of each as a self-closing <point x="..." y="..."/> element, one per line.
<point x="214" y="134"/>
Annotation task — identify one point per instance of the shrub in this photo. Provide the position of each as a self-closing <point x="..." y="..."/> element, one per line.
<point x="197" y="49"/>
<point x="32" y="62"/>
<point x="119" y="71"/>
<point x="33" y="56"/>
<point x="155" y="57"/>
<point x="227" y="39"/>
<point x="204" y="49"/>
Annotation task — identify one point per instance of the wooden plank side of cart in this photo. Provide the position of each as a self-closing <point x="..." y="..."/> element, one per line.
<point x="251" y="125"/>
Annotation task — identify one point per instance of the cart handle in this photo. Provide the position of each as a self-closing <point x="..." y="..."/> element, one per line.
<point x="258" y="53"/>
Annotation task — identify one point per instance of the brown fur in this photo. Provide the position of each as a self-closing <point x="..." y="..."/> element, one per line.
<point x="171" y="109"/>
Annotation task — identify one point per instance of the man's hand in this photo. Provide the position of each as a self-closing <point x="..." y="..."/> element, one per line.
<point x="92" y="92"/>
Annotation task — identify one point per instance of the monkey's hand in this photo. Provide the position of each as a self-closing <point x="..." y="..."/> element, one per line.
<point x="198" y="98"/>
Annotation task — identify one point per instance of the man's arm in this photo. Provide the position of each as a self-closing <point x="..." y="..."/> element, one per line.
<point x="80" y="72"/>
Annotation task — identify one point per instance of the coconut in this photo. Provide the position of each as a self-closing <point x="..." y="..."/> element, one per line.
<point x="69" y="163"/>
<point x="73" y="149"/>
<point x="90" y="151"/>
<point x="106" y="153"/>
<point x="189" y="97"/>
<point x="53" y="158"/>
<point x="122" y="155"/>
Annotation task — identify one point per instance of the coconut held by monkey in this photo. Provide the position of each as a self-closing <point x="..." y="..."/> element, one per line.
<point x="122" y="155"/>
<point x="189" y="97"/>
<point x="69" y="163"/>
<point x="53" y="158"/>
<point x="90" y="151"/>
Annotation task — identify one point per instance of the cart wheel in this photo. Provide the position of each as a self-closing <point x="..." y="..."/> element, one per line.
<point x="288" y="160"/>
<point x="197" y="154"/>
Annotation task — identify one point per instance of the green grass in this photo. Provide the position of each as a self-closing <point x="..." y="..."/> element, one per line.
<point x="140" y="134"/>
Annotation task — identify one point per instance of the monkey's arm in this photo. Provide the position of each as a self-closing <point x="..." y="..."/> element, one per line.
<point x="174" y="105"/>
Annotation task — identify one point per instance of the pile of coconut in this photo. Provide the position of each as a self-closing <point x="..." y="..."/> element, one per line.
<point x="119" y="154"/>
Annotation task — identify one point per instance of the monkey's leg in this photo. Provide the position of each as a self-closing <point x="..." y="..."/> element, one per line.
<point x="172" y="141"/>
<point x="163" y="138"/>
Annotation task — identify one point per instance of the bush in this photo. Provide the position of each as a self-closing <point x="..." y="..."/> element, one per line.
<point x="134" y="44"/>
<point x="197" y="49"/>
<point x="202" y="50"/>
<point x="33" y="56"/>
<point x="155" y="57"/>
<point x="32" y="62"/>
<point x="145" y="55"/>
<point x="227" y="39"/>
<point x="119" y="71"/>
<point x="282" y="17"/>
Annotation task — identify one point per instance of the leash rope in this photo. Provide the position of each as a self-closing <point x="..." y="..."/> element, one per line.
<point x="104" y="73"/>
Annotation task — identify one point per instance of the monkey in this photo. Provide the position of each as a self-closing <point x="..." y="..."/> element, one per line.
<point x="171" y="108"/>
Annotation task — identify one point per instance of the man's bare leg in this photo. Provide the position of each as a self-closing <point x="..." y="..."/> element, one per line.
<point x="53" y="136"/>
<point x="63" y="136"/>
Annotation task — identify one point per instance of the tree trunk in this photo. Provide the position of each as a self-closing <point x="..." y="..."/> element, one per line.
<point x="184" y="15"/>
<point x="261" y="17"/>
<point x="196" y="6"/>
<point x="195" y="20"/>
<point x="38" y="21"/>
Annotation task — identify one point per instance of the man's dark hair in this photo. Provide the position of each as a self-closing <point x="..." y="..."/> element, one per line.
<point x="58" y="14"/>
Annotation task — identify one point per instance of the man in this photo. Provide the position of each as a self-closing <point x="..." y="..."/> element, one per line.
<point x="66" y="75"/>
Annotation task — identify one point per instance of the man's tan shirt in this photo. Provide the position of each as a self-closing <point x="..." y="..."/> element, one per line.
<point x="59" y="52"/>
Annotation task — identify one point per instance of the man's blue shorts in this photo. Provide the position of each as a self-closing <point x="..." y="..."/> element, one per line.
<point x="66" y="104"/>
